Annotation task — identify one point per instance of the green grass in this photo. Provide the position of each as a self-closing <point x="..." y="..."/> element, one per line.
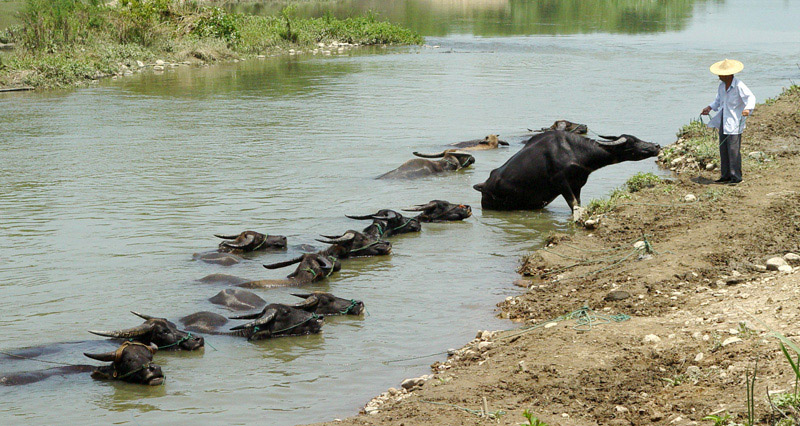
<point x="698" y="142"/>
<point x="531" y="420"/>
<point x="635" y="183"/>
<point x="641" y="180"/>
<point x="61" y="42"/>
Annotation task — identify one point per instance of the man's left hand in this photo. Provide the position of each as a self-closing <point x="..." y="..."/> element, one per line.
<point x="745" y="113"/>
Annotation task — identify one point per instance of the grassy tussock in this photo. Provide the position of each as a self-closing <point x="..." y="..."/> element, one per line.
<point x="636" y="183"/>
<point x="61" y="42"/>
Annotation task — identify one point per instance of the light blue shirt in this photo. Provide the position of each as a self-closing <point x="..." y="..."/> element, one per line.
<point x="732" y="102"/>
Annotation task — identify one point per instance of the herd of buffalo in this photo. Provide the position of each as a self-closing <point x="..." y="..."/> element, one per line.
<point x="556" y="161"/>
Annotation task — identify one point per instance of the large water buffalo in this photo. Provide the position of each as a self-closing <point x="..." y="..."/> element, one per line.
<point x="131" y="362"/>
<point x="355" y="244"/>
<point x="556" y="163"/>
<point x="489" y="142"/>
<point x="566" y="126"/>
<point x="277" y="320"/>
<point x="248" y="241"/>
<point x="204" y="322"/>
<point x="157" y="331"/>
<point x="327" y="304"/>
<point x="451" y="160"/>
<point x="386" y="223"/>
<point x="441" y="211"/>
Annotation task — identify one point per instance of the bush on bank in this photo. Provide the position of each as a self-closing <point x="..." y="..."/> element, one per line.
<point x="60" y="42"/>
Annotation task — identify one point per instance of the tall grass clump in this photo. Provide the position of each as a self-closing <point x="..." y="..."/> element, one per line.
<point x="64" y="41"/>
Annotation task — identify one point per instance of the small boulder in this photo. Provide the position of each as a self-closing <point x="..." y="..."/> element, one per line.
<point x="591" y="223"/>
<point x="690" y="198"/>
<point x="410" y="383"/>
<point x="616" y="295"/>
<point x="160" y="62"/>
<point x="730" y="341"/>
<point x="651" y="338"/>
<point x="785" y="269"/>
<point x="639" y="245"/>
<point x="774" y="263"/>
<point x="792" y="258"/>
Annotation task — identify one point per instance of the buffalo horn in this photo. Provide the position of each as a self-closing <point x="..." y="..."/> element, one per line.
<point x="125" y="334"/>
<point x="108" y="356"/>
<point x="143" y="316"/>
<point x="284" y="263"/>
<point x="302" y="295"/>
<point x="369" y="216"/>
<point x="248" y="316"/>
<point x="421" y="207"/>
<point x="618" y="141"/>
<point x="504" y="143"/>
<point x="268" y="316"/>
<point x="310" y="302"/>
<point x="247" y="241"/>
<point x="391" y="214"/>
<point x="325" y="263"/>
<point x="348" y="236"/>
<point x="439" y="155"/>
<point x="227" y="237"/>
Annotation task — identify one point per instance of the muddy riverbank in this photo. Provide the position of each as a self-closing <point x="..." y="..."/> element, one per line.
<point x="681" y="317"/>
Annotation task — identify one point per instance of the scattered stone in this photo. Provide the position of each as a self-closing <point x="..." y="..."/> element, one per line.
<point x="393" y="391"/>
<point x="523" y="367"/>
<point x="140" y="64"/>
<point x="591" y="223"/>
<point x="620" y="409"/>
<point x="756" y="155"/>
<point x="639" y="245"/>
<point x="651" y="338"/>
<point x="261" y="56"/>
<point x="678" y="161"/>
<point x="792" y="258"/>
<point x="710" y="166"/>
<point x="698" y="357"/>
<point x="774" y="263"/>
<point x="689" y="198"/>
<point x="616" y="295"/>
<point x="160" y="62"/>
<point x="693" y="371"/>
<point x="484" y="346"/>
<point x="730" y="341"/>
<point x="158" y="68"/>
<point x="550" y="324"/>
<point x="785" y="268"/>
<point x="410" y="383"/>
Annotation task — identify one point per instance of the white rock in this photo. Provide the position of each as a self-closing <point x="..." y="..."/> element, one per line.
<point x="158" y="68"/>
<point x="639" y="245"/>
<point x="651" y="338"/>
<point x="620" y="409"/>
<point x="550" y="324"/>
<point x="140" y="64"/>
<point x="261" y="56"/>
<point x="677" y="161"/>
<point x="689" y="198"/>
<point x="698" y="357"/>
<point x="730" y="341"/>
<point x="774" y="263"/>
<point x="484" y="346"/>
<point x="160" y="62"/>
<point x="785" y="268"/>
<point x="791" y="257"/>
<point x="590" y="224"/>
<point x="710" y="166"/>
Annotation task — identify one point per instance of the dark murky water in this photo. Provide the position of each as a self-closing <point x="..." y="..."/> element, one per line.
<point x="106" y="192"/>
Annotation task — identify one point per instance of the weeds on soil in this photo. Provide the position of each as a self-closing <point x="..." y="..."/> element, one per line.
<point x="61" y="42"/>
<point x="532" y="421"/>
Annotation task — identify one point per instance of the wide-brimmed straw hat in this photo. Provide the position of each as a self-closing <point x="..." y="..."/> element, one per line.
<point x="727" y="67"/>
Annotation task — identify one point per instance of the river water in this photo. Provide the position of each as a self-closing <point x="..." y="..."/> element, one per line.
<point x="107" y="191"/>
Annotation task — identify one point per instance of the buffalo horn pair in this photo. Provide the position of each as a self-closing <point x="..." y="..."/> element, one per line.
<point x="248" y="240"/>
<point x="261" y="318"/>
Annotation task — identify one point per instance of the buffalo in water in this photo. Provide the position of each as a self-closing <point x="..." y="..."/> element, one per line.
<point x="132" y="362"/>
<point x="565" y="126"/>
<point x="489" y="142"/>
<point x="238" y="299"/>
<point x="327" y="304"/>
<point x="248" y="241"/>
<point x="386" y="223"/>
<point x="451" y="160"/>
<point x="156" y="331"/>
<point x="355" y="244"/>
<point x="556" y="163"/>
<point x="277" y="320"/>
<point x="441" y="211"/>
<point x="311" y="267"/>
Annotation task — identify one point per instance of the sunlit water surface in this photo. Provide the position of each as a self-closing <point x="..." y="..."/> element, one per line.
<point x="105" y="192"/>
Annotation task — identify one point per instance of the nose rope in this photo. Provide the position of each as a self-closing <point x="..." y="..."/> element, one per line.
<point x="264" y="241"/>
<point x="185" y="338"/>
<point x="353" y="304"/>
<point x="403" y="225"/>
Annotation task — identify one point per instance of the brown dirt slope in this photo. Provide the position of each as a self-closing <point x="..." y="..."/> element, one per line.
<point x="700" y="300"/>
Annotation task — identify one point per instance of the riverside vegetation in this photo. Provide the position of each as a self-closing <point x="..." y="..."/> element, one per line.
<point x="63" y="42"/>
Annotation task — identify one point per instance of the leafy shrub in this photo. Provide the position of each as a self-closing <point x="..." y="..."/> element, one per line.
<point x="217" y="23"/>
<point x="48" y="24"/>
<point x="640" y="181"/>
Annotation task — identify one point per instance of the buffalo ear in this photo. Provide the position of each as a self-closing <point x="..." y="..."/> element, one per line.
<point x="100" y="374"/>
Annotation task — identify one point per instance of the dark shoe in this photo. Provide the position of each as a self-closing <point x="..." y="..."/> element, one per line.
<point x="722" y="180"/>
<point x="734" y="182"/>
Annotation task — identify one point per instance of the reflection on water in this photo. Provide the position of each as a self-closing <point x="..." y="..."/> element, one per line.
<point x="107" y="191"/>
<point x="502" y="17"/>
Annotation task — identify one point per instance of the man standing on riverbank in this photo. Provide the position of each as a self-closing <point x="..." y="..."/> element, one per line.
<point x="734" y="101"/>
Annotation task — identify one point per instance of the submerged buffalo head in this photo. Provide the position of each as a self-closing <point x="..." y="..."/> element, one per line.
<point x="131" y="362"/>
<point x="441" y="211"/>
<point x="158" y="331"/>
<point x="249" y="241"/>
<point x="387" y="222"/>
<point x="492" y="141"/>
<point x="628" y="148"/>
<point x="277" y="320"/>
<point x="327" y="304"/>
<point x="312" y="267"/>
<point x="354" y="244"/>
<point x="455" y="159"/>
